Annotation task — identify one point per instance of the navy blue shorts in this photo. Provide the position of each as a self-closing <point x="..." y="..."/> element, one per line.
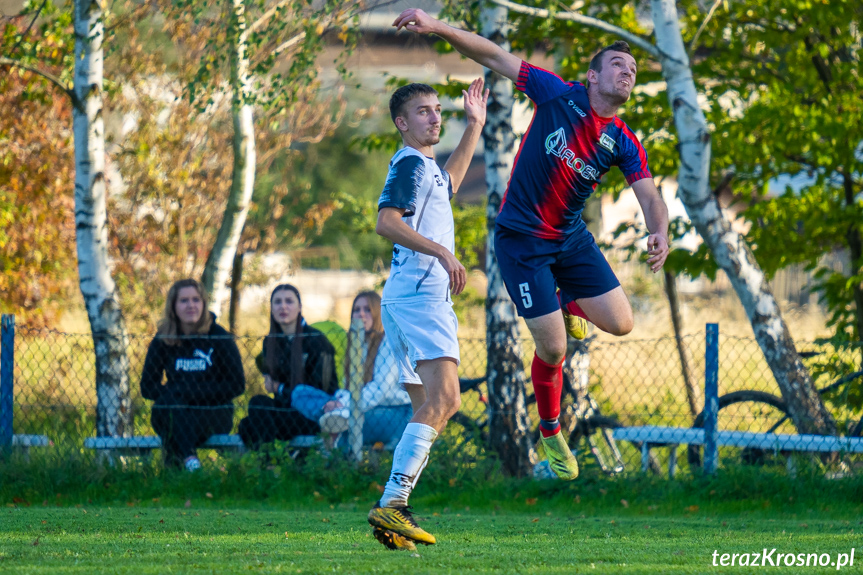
<point x="533" y="268"/>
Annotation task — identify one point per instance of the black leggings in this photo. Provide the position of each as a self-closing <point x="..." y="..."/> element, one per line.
<point x="269" y="420"/>
<point x="185" y="428"/>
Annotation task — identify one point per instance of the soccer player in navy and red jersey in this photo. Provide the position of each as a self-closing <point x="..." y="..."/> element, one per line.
<point x="548" y="259"/>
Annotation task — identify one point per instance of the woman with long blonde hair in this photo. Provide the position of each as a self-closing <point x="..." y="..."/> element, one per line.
<point x="201" y="364"/>
<point x="384" y="403"/>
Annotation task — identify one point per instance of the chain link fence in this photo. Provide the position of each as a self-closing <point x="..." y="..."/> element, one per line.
<point x="616" y="384"/>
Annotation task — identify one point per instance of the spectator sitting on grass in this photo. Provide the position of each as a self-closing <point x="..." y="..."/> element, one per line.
<point x="204" y="373"/>
<point x="294" y="354"/>
<point x="386" y="405"/>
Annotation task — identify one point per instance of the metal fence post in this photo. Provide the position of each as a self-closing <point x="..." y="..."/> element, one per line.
<point x="356" y="418"/>
<point x="711" y="397"/>
<point x="7" y="375"/>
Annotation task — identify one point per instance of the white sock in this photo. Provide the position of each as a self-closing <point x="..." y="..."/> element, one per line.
<point x="409" y="460"/>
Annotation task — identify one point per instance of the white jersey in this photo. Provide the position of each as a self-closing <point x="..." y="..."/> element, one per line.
<point x="417" y="184"/>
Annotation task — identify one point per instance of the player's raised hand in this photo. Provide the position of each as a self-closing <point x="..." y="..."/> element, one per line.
<point x="456" y="271"/>
<point x="416" y="20"/>
<point x="657" y="250"/>
<point x="475" y="101"/>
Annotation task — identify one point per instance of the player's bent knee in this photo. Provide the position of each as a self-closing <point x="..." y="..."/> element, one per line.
<point x="455" y="405"/>
<point x="443" y="406"/>
<point x="551" y="355"/>
<point x="451" y="405"/>
<point x="621" y="326"/>
<point x="551" y="350"/>
<point x="558" y="356"/>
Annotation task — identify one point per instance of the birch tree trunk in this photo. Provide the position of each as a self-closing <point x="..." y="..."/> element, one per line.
<point x="509" y="425"/>
<point x="220" y="261"/>
<point x="113" y="413"/>
<point x="727" y="246"/>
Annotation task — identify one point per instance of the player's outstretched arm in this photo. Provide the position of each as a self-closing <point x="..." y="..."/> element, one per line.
<point x="477" y="48"/>
<point x="656" y="218"/>
<point x="391" y="226"/>
<point x="474" y="108"/>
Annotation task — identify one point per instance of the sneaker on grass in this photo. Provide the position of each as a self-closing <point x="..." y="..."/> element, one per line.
<point x="392" y="540"/>
<point x="401" y="521"/>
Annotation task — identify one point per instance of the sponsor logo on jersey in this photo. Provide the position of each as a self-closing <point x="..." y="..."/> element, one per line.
<point x="607" y="142"/>
<point x="555" y="144"/>
<point x="578" y="110"/>
<point x="199" y="362"/>
<point x="438" y="180"/>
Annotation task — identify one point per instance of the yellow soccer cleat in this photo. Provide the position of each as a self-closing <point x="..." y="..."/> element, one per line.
<point x="399" y="520"/>
<point x="560" y="458"/>
<point x="394" y="541"/>
<point x="576" y="326"/>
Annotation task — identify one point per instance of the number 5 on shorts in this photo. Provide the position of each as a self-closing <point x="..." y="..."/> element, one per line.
<point x="525" y="295"/>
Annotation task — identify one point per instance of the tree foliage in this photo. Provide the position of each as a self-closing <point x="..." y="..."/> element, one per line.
<point x="169" y="125"/>
<point x="332" y="201"/>
<point x="784" y="82"/>
<point x="37" y="227"/>
<point x="176" y="159"/>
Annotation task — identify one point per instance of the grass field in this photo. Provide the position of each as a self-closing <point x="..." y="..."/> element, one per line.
<point x="326" y="540"/>
<point x="311" y="519"/>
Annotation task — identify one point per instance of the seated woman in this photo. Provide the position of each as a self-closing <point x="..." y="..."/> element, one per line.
<point x="385" y="404"/>
<point x="294" y="354"/>
<point x="204" y="373"/>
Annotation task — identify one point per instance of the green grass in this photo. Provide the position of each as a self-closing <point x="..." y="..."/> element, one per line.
<point x="78" y="517"/>
<point x="546" y="539"/>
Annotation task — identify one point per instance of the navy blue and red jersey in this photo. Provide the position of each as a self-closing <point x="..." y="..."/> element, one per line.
<point x="564" y="154"/>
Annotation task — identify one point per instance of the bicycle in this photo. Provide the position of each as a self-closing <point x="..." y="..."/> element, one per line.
<point x="767" y="407"/>
<point x="581" y="418"/>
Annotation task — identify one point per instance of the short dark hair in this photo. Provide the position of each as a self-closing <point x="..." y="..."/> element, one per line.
<point x="619" y="46"/>
<point x="405" y="94"/>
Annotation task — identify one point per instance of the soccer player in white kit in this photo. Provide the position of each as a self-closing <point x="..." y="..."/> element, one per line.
<point x="416" y="306"/>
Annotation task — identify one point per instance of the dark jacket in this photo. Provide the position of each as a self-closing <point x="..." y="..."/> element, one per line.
<point x="318" y="362"/>
<point x="201" y="370"/>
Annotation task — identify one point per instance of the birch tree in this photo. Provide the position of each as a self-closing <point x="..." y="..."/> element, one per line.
<point x="727" y="247"/>
<point x="219" y="264"/>
<point x="113" y="416"/>
<point x="267" y="58"/>
<point x="509" y="426"/>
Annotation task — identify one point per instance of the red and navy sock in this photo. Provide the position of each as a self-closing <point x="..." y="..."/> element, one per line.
<point x="549" y="427"/>
<point x="547" y="386"/>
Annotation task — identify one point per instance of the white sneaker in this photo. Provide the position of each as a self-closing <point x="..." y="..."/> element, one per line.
<point x="193" y="464"/>
<point x="335" y="421"/>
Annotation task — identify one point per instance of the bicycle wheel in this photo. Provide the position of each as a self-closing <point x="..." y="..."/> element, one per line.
<point x="582" y="420"/>
<point x="753" y="410"/>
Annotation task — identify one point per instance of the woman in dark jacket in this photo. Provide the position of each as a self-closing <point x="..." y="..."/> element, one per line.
<point x="204" y="373"/>
<point x="294" y="353"/>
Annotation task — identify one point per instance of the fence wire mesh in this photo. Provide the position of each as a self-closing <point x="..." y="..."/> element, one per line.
<point x="623" y="383"/>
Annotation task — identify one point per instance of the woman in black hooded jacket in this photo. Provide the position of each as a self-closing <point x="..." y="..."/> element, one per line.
<point x="294" y="353"/>
<point x="203" y="370"/>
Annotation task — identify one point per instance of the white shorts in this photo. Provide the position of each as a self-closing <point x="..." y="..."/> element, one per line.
<point x="420" y="330"/>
